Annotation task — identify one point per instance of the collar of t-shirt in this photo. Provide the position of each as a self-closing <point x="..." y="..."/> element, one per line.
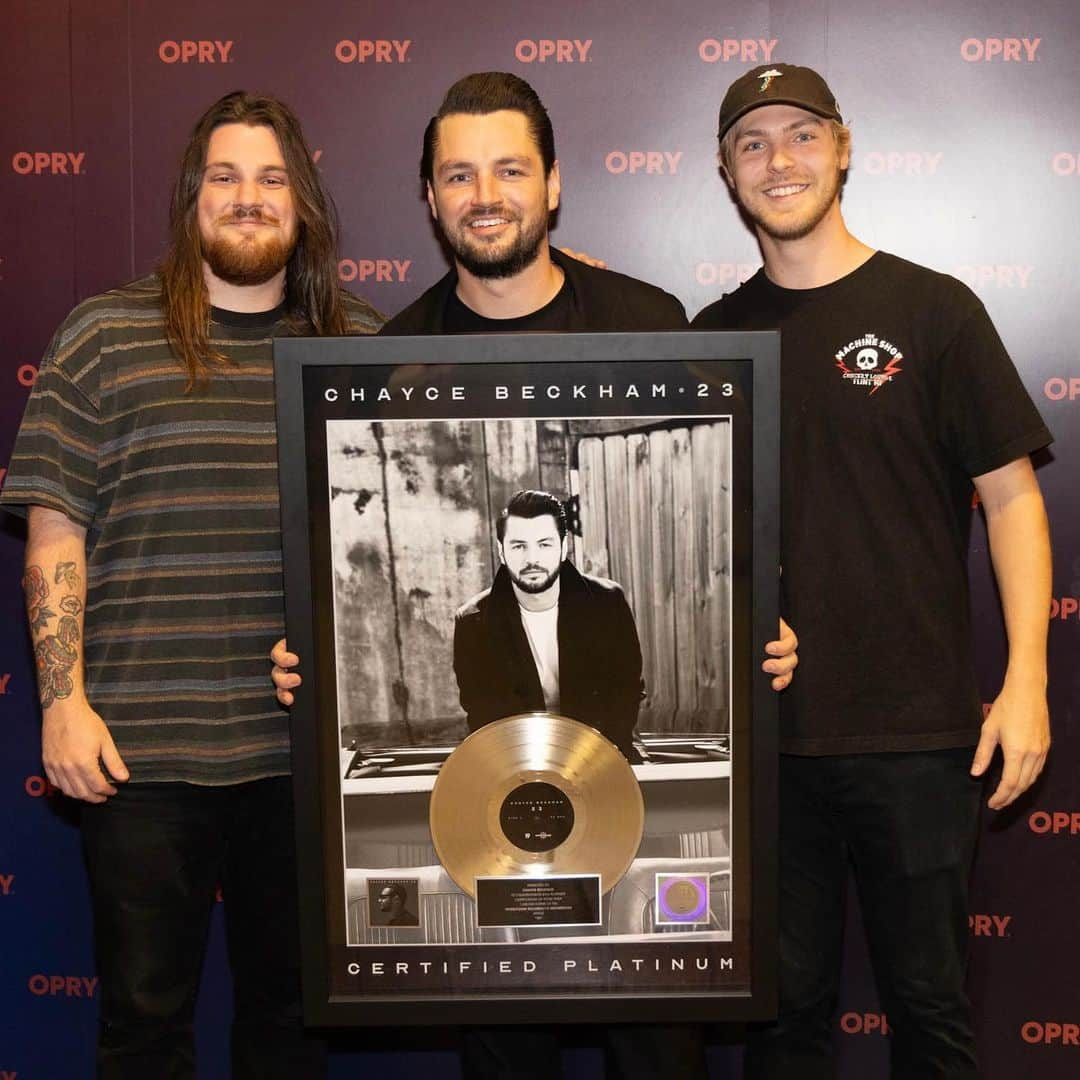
<point x="554" y="315"/>
<point x="249" y="320"/>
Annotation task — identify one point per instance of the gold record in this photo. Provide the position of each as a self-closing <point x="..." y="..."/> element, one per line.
<point x="536" y="794"/>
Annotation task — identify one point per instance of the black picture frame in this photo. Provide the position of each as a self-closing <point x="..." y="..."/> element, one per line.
<point x="319" y="383"/>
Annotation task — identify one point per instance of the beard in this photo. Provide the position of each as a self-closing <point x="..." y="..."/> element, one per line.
<point x="794" y="227"/>
<point x="537" y="585"/>
<point x="249" y="260"/>
<point x="495" y="261"/>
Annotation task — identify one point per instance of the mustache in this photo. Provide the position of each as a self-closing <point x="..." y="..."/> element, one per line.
<point x="248" y="212"/>
<point x="495" y="210"/>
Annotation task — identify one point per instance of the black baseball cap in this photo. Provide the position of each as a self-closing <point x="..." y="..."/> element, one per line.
<point x="777" y="84"/>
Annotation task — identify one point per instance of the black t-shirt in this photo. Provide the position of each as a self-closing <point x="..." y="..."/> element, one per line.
<point x="895" y="391"/>
<point x="553" y="316"/>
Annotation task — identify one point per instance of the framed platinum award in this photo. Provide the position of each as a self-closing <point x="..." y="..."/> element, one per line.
<point x="530" y="579"/>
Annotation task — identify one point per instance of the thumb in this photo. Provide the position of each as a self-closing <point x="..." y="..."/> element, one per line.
<point x="984" y="752"/>
<point x="111" y="759"/>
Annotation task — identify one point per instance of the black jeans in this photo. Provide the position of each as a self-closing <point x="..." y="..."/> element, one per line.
<point x="155" y="854"/>
<point x="906" y="823"/>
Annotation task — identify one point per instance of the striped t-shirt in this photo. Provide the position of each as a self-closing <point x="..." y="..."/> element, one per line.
<point x="179" y="494"/>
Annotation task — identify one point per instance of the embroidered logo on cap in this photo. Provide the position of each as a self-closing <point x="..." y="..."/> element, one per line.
<point x="767" y="77"/>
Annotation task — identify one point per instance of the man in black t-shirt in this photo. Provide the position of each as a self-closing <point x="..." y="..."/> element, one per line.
<point x="897" y="396"/>
<point x="492" y="183"/>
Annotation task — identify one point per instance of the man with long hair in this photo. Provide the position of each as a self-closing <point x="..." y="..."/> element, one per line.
<point x="147" y="460"/>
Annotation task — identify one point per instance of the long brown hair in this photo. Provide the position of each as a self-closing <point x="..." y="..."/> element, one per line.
<point x="312" y="294"/>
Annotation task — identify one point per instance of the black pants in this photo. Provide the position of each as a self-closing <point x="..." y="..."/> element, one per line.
<point x="906" y="823"/>
<point x="631" y="1052"/>
<point x="155" y="854"/>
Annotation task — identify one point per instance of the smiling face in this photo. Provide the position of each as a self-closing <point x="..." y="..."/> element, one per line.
<point x="786" y="167"/>
<point x="533" y="551"/>
<point x="247" y="221"/>
<point x="489" y="193"/>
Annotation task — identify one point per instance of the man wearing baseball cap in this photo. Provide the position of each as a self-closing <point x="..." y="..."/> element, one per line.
<point x="897" y="397"/>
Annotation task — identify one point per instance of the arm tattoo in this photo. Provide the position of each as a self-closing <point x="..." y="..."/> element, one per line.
<point x="65" y="572"/>
<point x="55" y="655"/>
<point x="37" y="595"/>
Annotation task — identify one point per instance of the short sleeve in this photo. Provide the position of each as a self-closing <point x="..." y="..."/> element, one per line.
<point x="54" y="461"/>
<point x="986" y="417"/>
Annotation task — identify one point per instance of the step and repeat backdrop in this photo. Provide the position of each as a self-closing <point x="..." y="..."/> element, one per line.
<point x="966" y="158"/>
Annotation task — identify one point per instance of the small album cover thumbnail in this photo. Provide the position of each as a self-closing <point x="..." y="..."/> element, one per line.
<point x="393" y="901"/>
<point x="682" y="899"/>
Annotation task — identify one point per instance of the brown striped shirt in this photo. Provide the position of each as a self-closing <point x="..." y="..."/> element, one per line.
<point x="179" y="495"/>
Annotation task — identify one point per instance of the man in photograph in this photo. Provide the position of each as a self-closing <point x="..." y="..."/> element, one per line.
<point x="897" y="398"/>
<point x="545" y="636"/>
<point x="147" y="459"/>
<point x="392" y="903"/>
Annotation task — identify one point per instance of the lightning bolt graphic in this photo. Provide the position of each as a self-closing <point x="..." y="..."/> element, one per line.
<point x="891" y="368"/>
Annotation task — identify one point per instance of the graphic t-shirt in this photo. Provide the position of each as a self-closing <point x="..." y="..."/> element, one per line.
<point x="895" y="391"/>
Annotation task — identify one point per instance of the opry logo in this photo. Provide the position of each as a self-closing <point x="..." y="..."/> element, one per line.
<point x="745" y="50"/>
<point x="989" y="925"/>
<point x="372" y="50"/>
<point x="661" y="162"/>
<point x="994" y="276"/>
<point x="855" y="1023"/>
<point x="1066" y="607"/>
<point x="53" y="162"/>
<point x="374" y="269"/>
<point x="1055" y="821"/>
<point x="38" y="786"/>
<point x="1047" y="1032"/>
<point x="725" y="273"/>
<point x="994" y="48"/>
<point x="195" y="52"/>
<point x="78" y="986"/>
<point x="559" y="50"/>
<point x="901" y="162"/>
<point x="1058" y="388"/>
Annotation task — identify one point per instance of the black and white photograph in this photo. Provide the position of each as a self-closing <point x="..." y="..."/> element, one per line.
<point x="531" y="607"/>
<point x="530" y="565"/>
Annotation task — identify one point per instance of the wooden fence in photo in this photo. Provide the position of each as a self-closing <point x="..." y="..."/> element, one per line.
<point x="656" y="517"/>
